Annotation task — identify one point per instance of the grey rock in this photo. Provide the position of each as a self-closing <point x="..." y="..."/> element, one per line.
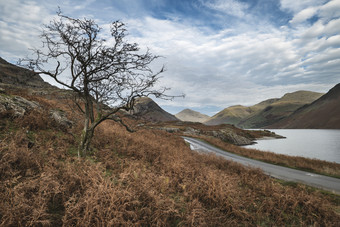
<point x="61" y="118"/>
<point x="231" y="137"/>
<point x="16" y="104"/>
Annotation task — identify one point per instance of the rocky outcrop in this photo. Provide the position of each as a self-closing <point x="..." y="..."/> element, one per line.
<point x="60" y="117"/>
<point x="226" y="135"/>
<point x="16" y="105"/>
<point x="232" y="137"/>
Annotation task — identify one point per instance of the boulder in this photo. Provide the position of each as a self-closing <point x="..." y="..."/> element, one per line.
<point x="231" y="137"/>
<point x="60" y="117"/>
<point x="17" y="105"/>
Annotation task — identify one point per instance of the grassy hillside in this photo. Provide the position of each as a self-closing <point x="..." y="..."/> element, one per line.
<point x="230" y="115"/>
<point x="191" y="116"/>
<point x="322" y="113"/>
<point x="148" y="178"/>
<point x="264" y="113"/>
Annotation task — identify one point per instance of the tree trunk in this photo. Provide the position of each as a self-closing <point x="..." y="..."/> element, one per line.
<point x="86" y="138"/>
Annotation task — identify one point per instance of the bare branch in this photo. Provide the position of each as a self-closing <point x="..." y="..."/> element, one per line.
<point x="100" y="74"/>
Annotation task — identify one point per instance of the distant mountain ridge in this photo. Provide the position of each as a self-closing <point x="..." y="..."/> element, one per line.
<point x="191" y="116"/>
<point x="149" y="110"/>
<point x="264" y="113"/>
<point x="323" y="113"/>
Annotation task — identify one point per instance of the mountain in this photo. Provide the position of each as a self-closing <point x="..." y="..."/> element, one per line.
<point x="149" y="110"/>
<point x="230" y="115"/>
<point x="264" y="113"/>
<point x="323" y="113"/>
<point x="279" y="109"/>
<point x="191" y="116"/>
<point x="13" y="75"/>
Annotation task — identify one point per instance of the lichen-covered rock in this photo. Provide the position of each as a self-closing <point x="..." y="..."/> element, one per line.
<point x="16" y="104"/>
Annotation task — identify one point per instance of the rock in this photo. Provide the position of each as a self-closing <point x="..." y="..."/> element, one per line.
<point x="231" y="137"/>
<point x="191" y="131"/>
<point x="16" y="104"/>
<point x="60" y="117"/>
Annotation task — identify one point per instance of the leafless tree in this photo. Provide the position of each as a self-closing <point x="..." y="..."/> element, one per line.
<point x="101" y="72"/>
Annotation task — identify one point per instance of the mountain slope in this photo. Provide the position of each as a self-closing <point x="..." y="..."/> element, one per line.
<point x="279" y="109"/>
<point x="149" y="110"/>
<point x="13" y="75"/>
<point x="324" y="113"/>
<point x="191" y="116"/>
<point x="264" y="113"/>
<point x="230" y="115"/>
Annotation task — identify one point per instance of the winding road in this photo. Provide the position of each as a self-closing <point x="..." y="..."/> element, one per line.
<point x="288" y="174"/>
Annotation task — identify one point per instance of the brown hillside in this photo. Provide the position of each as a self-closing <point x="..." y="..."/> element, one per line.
<point x="323" y="113"/>
<point x="147" y="178"/>
<point x="20" y="77"/>
<point x="149" y="110"/>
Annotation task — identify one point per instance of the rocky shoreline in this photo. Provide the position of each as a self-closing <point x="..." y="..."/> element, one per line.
<point x="224" y="132"/>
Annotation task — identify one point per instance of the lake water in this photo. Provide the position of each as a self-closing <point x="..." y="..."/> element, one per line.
<point x="311" y="143"/>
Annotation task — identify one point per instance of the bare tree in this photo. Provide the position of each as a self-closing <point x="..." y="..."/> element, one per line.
<point x="101" y="72"/>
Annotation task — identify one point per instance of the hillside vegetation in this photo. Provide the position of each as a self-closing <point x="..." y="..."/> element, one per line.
<point x="323" y="113"/>
<point x="147" y="178"/>
<point x="264" y="113"/>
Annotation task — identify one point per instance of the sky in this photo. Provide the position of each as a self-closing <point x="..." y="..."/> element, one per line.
<point x="218" y="53"/>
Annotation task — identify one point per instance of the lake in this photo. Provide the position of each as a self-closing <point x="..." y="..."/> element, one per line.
<point x="321" y="144"/>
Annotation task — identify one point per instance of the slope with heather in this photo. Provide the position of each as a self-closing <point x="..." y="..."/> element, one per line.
<point x="149" y="177"/>
<point x="146" y="178"/>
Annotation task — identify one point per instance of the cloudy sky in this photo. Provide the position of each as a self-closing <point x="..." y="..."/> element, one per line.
<point x="217" y="52"/>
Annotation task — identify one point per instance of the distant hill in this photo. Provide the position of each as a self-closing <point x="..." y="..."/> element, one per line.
<point x="149" y="110"/>
<point x="230" y="115"/>
<point x="323" y="113"/>
<point x="191" y="116"/>
<point x="264" y="113"/>
<point x="13" y="75"/>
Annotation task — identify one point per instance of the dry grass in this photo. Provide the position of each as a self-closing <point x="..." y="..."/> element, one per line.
<point x="148" y="178"/>
<point x="307" y="164"/>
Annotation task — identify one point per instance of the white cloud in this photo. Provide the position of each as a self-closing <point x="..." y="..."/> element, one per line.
<point x="238" y="65"/>
<point x="296" y="6"/>
<point x="331" y="9"/>
<point x="222" y="69"/>
<point x="231" y="7"/>
<point x="20" y="26"/>
<point x="304" y="15"/>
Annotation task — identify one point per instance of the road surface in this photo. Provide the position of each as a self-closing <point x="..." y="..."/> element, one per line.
<point x="288" y="174"/>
